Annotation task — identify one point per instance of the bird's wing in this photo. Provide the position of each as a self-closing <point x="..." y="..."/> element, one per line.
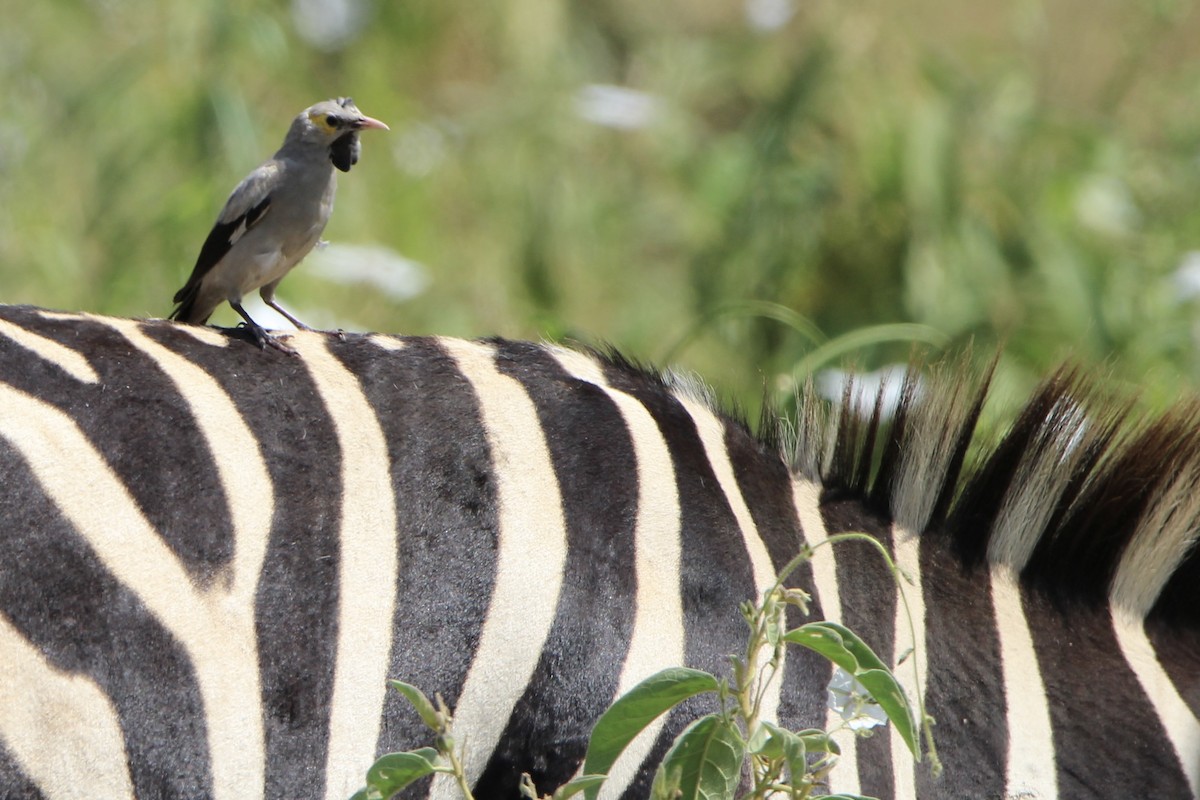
<point x="245" y="208"/>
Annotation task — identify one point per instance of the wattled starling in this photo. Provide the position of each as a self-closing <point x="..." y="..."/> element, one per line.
<point x="275" y="216"/>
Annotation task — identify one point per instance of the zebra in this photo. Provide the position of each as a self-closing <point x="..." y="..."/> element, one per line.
<point x="214" y="558"/>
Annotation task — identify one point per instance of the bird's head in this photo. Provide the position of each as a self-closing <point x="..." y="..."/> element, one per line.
<point x="333" y="124"/>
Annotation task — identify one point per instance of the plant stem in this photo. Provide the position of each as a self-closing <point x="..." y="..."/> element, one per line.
<point x="459" y="775"/>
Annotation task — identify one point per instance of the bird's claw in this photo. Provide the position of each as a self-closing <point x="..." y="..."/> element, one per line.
<point x="280" y="346"/>
<point x="264" y="339"/>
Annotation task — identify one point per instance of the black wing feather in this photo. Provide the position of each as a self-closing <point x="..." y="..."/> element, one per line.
<point x="219" y="242"/>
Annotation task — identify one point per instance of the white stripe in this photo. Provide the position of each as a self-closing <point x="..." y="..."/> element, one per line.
<point x="657" y="640"/>
<point x="215" y="626"/>
<point x="236" y="455"/>
<point x="531" y="553"/>
<point x="806" y="497"/>
<point x="65" y="358"/>
<point x="251" y="502"/>
<point x="907" y="551"/>
<point x="1181" y="725"/>
<point x="367" y="564"/>
<point x="712" y="434"/>
<point x="201" y="333"/>
<point x="204" y="334"/>
<point x="61" y="728"/>
<point x="1031" y="770"/>
<point x="390" y="343"/>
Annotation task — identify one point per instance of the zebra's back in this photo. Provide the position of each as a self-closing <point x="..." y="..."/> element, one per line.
<point x="216" y="556"/>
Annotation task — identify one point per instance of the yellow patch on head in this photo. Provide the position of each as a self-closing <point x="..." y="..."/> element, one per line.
<point x="324" y="120"/>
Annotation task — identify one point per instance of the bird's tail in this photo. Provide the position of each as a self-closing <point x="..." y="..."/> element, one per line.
<point x="185" y="311"/>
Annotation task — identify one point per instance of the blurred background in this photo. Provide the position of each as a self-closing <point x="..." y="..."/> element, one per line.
<point x="754" y="190"/>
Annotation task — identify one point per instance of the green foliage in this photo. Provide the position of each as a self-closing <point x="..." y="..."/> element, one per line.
<point x="394" y="771"/>
<point x="841" y="646"/>
<point x="636" y="709"/>
<point x="1024" y="173"/>
<point x="709" y="757"/>
<point x="429" y="715"/>
<point x="705" y="761"/>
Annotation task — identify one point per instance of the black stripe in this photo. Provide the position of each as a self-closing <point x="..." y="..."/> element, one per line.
<point x="297" y="598"/>
<point x="576" y="676"/>
<point x="1179" y="655"/>
<point x="766" y="486"/>
<point x="716" y="574"/>
<point x="55" y="591"/>
<point x="964" y="688"/>
<point x="1102" y="720"/>
<point x="142" y="426"/>
<point x="447" y="522"/>
<point x="868" y="595"/>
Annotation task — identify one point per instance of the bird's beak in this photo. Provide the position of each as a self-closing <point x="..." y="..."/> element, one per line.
<point x="367" y="122"/>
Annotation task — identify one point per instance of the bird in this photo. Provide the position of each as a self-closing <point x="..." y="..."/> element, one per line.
<point x="274" y="217"/>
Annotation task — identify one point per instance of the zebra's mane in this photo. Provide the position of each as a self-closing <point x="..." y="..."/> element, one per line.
<point x="1083" y="500"/>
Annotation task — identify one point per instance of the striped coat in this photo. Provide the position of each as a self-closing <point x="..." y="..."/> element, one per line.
<point x="215" y="556"/>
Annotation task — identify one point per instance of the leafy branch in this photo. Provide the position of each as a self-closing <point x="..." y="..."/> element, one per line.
<point x="709" y="758"/>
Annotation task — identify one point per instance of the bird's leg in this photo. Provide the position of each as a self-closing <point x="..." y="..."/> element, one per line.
<point x="286" y="315"/>
<point x="261" y="337"/>
<point x="341" y="334"/>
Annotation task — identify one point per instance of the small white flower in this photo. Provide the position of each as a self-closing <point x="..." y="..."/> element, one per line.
<point x="769" y="15"/>
<point x="1105" y="204"/>
<point x="854" y="703"/>
<point x="616" y="106"/>
<point x="328" y="24"/>
<point x="1186" y="277"/>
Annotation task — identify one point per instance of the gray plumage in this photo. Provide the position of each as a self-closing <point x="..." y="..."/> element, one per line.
<point x="275" y="216"/>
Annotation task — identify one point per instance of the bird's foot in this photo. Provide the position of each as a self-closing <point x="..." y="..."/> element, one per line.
<point x="264" y="339"/>
<point x="280" y="346"/>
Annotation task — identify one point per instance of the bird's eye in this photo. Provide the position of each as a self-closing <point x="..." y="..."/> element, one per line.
<point x="333" y="120"/>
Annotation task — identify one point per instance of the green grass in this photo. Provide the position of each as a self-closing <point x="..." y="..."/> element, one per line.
<point x="864" y="176"/>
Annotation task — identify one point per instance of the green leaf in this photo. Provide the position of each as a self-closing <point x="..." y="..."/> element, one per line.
<point x="361" y="794"/>
<point x="637" y="708"/>
<point x="394" y="771"/>
<point x="819" y="637"/>
<point x="843" y="647"/>
<point x="420" y="702"/>
<point x="837" y="643"/>
<point x="577" y="785"/>
<point x="882" y="685"/>
<point x="776" y="623"/>
<point x="867" y="337"/>
<point x="789" y="746"/>
<point x="818" y="741"/>
<point x="708" y="756"/>
<point x="760" y="738"/>
<point x="666" y="784"/>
